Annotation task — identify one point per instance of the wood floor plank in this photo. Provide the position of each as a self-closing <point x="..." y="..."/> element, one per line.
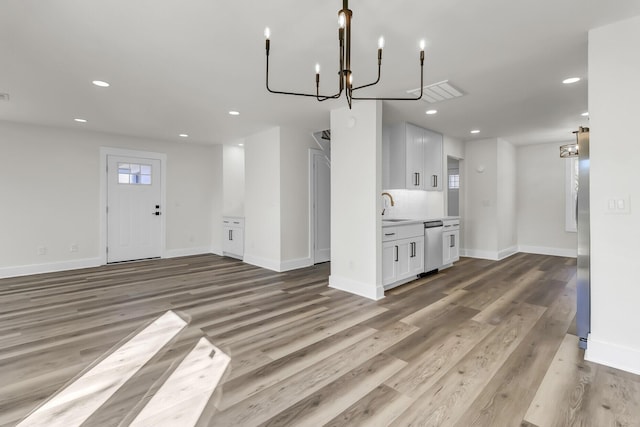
<point x="378" y="408"/>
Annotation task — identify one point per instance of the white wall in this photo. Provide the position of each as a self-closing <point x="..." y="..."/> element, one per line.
<point x="614" y="67"/>
<point x="294" y="196"/>
<point x="233" y="180"/>
<point x="506" y="199"/>
<point x="356" y="184"/>
<point x="217" y="198"/>
<point x="489" y="211"/>
<point x="541" y="201"/>
<point x="262" y="199"/>
<point x="50" y="190"/>
<point x="479" y="226"/>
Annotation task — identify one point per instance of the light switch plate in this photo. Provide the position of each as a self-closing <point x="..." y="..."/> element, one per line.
<point x="618" y="205"/>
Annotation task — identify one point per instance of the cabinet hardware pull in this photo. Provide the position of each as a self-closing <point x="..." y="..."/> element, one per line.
<point x="434" y="181"/>
<point x="452" y="241"/>
<point x="230" y="234"/>
<point x="389" y="234"/>
<point x="396" y="247"/>
<point x="418" y="181"/>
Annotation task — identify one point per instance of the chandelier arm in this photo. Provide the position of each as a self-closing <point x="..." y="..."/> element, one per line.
<point x="292" y="93"/>
<point x="399" y="99"/>
<point x="370" y="84"/>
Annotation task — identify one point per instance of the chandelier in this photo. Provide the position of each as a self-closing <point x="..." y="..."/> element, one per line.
<point x="345" y="76"/>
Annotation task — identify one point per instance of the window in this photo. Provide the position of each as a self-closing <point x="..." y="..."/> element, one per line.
<point x="454" y="181"/>
<point x="571" y="194"/>
<point x="133" y="173"/>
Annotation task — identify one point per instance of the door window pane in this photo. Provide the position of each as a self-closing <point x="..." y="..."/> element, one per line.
<point x="134" y="173"/>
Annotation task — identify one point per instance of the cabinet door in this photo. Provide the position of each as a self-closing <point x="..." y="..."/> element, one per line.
<point x="455" y="246"/>
<point x="432" y="160"/>
<point x="416" y="257"/>
<point x="415" y="176"/>
<point x="233" y="242"/>
<point x="403" y="266"/>
<point x="389" y="253"/>
<point x="450" y="247"/>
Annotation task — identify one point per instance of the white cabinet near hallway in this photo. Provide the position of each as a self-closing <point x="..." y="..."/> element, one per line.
<point x="415" y="158"/>
<point x="450" y="241"/>
<point x="233" y="236"/>
<point x="402" y="253"/>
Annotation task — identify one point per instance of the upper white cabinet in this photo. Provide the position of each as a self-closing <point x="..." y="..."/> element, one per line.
<point x="415" y="158"/>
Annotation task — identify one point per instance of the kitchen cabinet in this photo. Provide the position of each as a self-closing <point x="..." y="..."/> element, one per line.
<point x="415" y="157"/>
<point x="233" y="236"/>
<point x="451" y="242"/>
<point x="402" y="254"/>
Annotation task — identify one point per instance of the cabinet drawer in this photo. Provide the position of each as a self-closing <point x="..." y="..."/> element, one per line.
<point x="233" y="221"/>
<point x="402" y="231"/>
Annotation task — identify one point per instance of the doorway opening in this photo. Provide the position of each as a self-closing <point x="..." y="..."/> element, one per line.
<point x="319" y="206"/>
<point x="453" y="186"/>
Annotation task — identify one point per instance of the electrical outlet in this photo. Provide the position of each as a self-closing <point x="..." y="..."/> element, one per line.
<point x="42" y="250"/>
<point x="73" y="247"/>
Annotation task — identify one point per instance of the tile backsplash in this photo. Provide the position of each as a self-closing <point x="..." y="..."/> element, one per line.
<point x="413" y="204"/>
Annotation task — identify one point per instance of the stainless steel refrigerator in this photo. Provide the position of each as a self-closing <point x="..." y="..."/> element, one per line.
<point x="583" y="315"/>
<point x="581" y="150"/>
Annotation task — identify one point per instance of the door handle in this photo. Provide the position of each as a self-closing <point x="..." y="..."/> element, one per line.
<point x="396" y="247"/>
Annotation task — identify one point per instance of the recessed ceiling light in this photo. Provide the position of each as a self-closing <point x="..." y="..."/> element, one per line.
<point x="80" y="120"/>
<point x="100" y="83"/>
<point x="475" y="131"/>
<point x="183" y="135"/>
<point x="585" y="114"/>
<point x="240" y="145"/>
<point x="234" y="113"/>
<point x="430" y="112"/>
<point x="571" y="80"/>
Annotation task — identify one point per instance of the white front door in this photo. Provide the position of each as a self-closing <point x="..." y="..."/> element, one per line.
<point x="321" y="188"/>
<point x="134" y="224"/>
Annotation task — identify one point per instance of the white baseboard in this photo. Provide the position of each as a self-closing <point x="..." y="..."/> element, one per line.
<point x="506" y="253"/>
<point x="366" y="290"/>
<point x="269" y="264"/>
<point x="541" y="250"/>
<point x="613" y="355"/>
<point x="279" y="266"/>
<point x="216" y="250"/>
<point x="24" y="270"/>
<point x="175" y="253"/>
<point x="294" y="264"/>
<point x="474" y="253"/>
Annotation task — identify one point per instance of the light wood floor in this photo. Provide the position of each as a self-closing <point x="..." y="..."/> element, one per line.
<point x="481" y="344"/>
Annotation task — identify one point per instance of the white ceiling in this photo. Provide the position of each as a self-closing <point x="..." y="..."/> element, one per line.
<point x="179" y="66"/>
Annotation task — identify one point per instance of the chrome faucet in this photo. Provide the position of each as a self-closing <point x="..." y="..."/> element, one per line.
<point x="390" y="198"/>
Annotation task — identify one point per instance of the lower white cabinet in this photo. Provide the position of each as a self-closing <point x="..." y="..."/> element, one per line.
<point x="402" y="259"/>
<point x="450" y="247"/>
<point x="233" y="236"/>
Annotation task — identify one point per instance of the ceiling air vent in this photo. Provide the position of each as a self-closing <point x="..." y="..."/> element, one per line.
<point x="437" y="92"/>
<point x="4" y="96"/>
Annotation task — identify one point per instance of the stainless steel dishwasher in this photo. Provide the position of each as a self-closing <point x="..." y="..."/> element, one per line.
<point x="432" y="245"/>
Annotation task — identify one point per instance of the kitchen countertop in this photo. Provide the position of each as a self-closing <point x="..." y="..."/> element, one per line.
<point x="393" y="221"/>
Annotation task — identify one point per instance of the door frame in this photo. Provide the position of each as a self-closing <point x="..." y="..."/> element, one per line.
<point x="112" y="151"/>
<point x="312" y="196"/>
